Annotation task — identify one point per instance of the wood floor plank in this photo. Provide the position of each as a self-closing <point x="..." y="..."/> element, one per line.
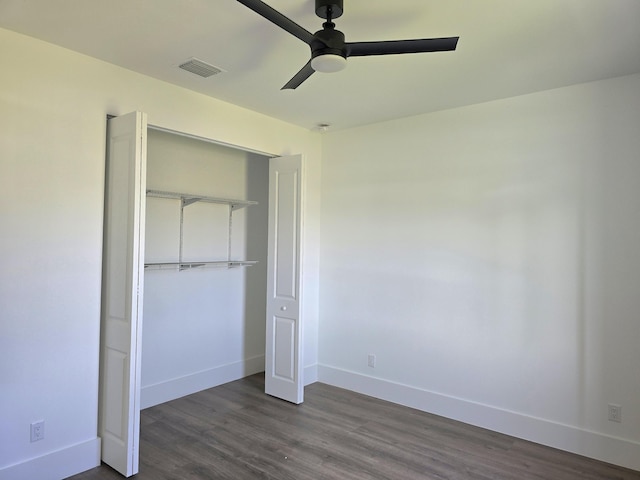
<point x="235" y="431"/>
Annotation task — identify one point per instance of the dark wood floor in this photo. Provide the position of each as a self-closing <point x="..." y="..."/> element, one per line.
<point x="235" y="431"/>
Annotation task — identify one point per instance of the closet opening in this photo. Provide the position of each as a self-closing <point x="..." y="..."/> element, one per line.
<point x="205" y="262"/>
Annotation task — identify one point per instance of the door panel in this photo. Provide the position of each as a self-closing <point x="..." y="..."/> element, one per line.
<point x="284" y="341"/>
<point x="123" y="271"/>
<point x="283" y="369"/>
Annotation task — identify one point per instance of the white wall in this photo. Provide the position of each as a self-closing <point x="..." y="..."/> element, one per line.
<point x="204" y="326"/>
<point x="488" y="256"/>
<point x="54" y="104"/>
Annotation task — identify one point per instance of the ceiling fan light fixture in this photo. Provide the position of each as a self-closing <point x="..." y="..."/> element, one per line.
<point x="328" y="63"/>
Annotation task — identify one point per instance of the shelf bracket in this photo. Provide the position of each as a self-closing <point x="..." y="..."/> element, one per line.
<point x="189" y="201"/>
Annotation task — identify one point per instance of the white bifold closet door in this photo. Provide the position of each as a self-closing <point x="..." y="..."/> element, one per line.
<point x="122" y="288"/>
<point x="283" y="352"/>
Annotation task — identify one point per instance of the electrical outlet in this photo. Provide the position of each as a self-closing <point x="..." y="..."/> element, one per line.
<point x="615" y="413"/>
<point x="37" y="431"/>
<point x="371" y="361"/>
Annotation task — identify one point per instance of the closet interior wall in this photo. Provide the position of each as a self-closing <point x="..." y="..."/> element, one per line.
<point x="202" y="326"/>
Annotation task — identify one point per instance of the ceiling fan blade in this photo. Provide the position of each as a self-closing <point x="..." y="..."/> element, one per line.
<point x="394" y="47"/>
<point x="279" y="19"/>
<point x="304" y="73"/>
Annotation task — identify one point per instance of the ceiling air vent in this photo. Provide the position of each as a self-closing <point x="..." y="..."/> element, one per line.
<point x="200" y="68"/>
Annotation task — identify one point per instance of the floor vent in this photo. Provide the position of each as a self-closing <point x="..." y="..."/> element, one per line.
<point x="200" y="68"/>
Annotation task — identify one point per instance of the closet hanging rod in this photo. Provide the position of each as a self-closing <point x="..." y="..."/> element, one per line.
<point x="190" y="265"/>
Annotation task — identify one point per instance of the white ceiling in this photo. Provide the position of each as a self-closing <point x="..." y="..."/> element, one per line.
<point x="506" y="48"/>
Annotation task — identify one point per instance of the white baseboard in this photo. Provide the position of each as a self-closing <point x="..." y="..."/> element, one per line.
<point x="618" y="451"/>
<point x="56" y="465"/>
<point x="179" y="387"/>
<point x="310" y="374"/>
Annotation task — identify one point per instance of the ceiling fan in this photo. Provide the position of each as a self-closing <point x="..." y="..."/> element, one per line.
<point x="329" y="51"/>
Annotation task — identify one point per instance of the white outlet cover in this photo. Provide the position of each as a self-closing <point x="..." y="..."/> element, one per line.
<point x="615" y="413"/>
<point x="37" y="431"/>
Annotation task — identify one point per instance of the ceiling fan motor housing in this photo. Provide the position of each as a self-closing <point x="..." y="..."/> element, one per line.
<point x="324" y="6"/>
<point x="328" y="41"/>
